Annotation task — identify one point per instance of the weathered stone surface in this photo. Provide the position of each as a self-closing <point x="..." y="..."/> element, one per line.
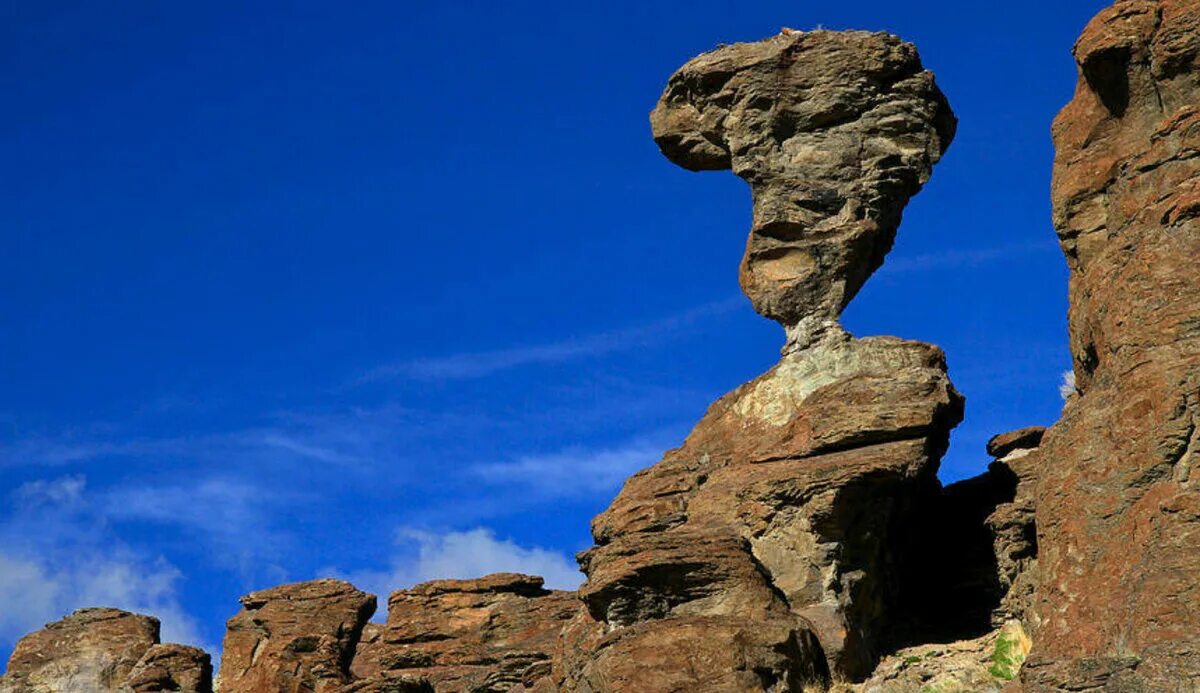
<point x="495" y="633"/>
<point x="296" y="638"/>
<point x="699" y="653"/>
<point x="986" y="664"/>
<point x="90" y="650"/>
<point x="1118" y="511"/>
<point x="784" y="506"/>
<point x="784" y="500"/>
<point x="1020" y="439"/>
<point x="171" y="668"/>
<point x="391" y="682"/>
<point x="834" y="132"/>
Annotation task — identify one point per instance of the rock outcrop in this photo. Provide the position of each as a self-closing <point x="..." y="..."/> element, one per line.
<point x="104" y="650"/>
<point x="799" y="539"/>
<point x="773" y="528"/>
<point x="1118" y="512"/>
<point x="496" y="633"/>
<point x="171" y="668"/>
<point x="297" y="638"/>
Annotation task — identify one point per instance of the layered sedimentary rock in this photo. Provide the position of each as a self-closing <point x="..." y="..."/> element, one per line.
<point x="297" y="638"/>
<point x="1118" y="511"/>
<point x="176" y="668"/>
<point x="99" y="650"/>
<point x="772" y="527"/>
<point x="495" y="633"/>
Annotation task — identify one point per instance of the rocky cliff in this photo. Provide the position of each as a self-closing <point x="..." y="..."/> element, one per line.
<point x="1119" y="510"/>
<point x="798" y="539"/>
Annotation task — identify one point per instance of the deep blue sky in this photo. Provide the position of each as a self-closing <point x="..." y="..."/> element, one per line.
<point x="396" y="291"/>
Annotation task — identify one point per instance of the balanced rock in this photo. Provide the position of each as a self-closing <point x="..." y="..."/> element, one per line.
<point x="774" y="528"/>
<point x="297" y="638"/>
<point x="495" y="633"/>
<point x="1118" y="511"/>
<point x="834" y="132"/>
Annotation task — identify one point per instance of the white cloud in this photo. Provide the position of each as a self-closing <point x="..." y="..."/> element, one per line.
<point x="575" y="471"/>
<point x="61" y="491"/>
<point x="1067" y="387"/>
<point x="60" y="554"/>
<point x="35" y="590"/>
<point x="480" y="364"/>
<point x="422" y="556"/>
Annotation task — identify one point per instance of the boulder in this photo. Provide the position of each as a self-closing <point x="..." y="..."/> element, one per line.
<point x="834" y="131"/>
<point x="99" y="650"/>
<point x="176" y="668"/>
<point x="297" y="638"/>
<point x="92" y="650"/>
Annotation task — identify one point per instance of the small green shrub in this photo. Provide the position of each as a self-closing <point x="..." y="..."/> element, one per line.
<point x="1008" y="656"/>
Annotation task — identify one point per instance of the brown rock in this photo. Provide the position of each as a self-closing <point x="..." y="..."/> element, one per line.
<point x="834" y="132"/>
<point x="701" y="654"/>
<point x="496" y="633"/>
<point x="985" y="664"/>
<point x="1021" y="439"/>
<point x="90" y="650"/>
<point x="1118" y="511"/>
<point x="784" y="506"/>
<point x="296" y="638"/>
<point x="171" y="668"/>
<point x="786" y="501"/>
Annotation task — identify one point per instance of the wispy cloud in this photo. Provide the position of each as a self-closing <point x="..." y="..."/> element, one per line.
<point x="576" y="471"/>
<point x="58" y="556"/>
<point x="479" y="364"/>
<point x="35" y="590"/>
<point x="951" y="259"/>
<point x="66" y="490"/>
<point x="419" y="556"/>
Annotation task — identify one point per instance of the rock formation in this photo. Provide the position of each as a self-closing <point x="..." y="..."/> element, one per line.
<point x="774" y="524"/>
<point x="799" y="540"/>
<point x="104" y="650"/>
<point x="171" y="668"/>
<point x="294" y="639"/>
<point x="492" y="634"/>
<point x="1118" y="511"/>
<point x="834" y="132"/>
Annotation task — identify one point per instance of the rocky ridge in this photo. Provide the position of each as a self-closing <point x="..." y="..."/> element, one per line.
<point x="797" y="539"/>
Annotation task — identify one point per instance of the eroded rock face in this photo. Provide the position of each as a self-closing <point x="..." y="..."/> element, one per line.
<point x="176" y="668"/>
<point x="92" y="649"/>
<point x="784" y="506"/>
<point x="1118" y="511"/>
<point x="495" y="633"/>
<point x="834" y="132"/>
<point x="297" y="638"/>
<point x="98" y="650"/>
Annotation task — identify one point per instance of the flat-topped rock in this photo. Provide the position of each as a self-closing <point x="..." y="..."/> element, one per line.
<point x="297" y="638"/>
<point x="1021" y="439"/>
